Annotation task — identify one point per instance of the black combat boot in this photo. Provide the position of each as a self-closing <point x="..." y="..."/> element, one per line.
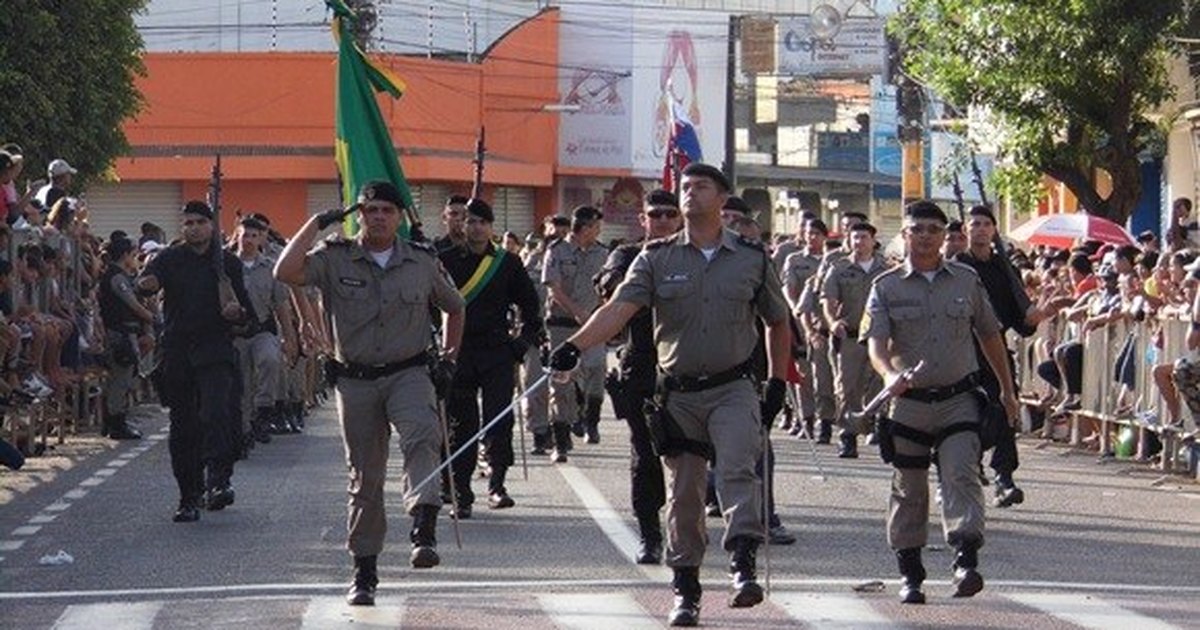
<point x="298" y="413"/>
<point x="591" y="419"/>
<point x="746" y="590"/>
<point x="116" y="427"/>
<point x="562" y="443"/>
<point x="849" y="446"/>
<point x="650" y="551"/>
<point x="967" y="580"/>
<point x="541" y="442"/>
<point x="220" y="493"/>
<point x="1007" y="492"/>
<point x="188" y="511"/>
<point x="912" y="573"/>
<point x="424" y="537"/>
<point x="260" y="427"/>
<point x="366" y="578"/>
<point x="686" y="584"/>
<point x="826" y="433"/>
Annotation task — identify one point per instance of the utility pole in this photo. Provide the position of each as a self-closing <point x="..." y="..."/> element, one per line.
<point x="910" y="110"/>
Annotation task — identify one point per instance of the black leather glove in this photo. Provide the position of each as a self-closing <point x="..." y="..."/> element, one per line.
<point x="772" y="400"/>
<point x="565" y="357"/>
<point x="330" y="217"/>
<point x="442" y="375"/>
<point x="519" y="348"/>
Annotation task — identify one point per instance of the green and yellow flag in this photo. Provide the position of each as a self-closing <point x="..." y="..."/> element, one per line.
<point x="363" y="149"/>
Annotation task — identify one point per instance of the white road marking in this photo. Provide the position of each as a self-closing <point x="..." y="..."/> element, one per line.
<point x="128" y="456"/>
<point x="105" y="472"/>
<point x="11" y="545"/>
<point x="43" y="518"/>
<point x="117" y="463"/>
<point x="1088" y="612"/>
<point x="598" y="611"/>
<point x="57" y="506"/>
<point x="332" y="612"/>
<point x="128" y="616"/>
<point x="92" y="482"/>
<point x="75" y="494"/>
<point x="829" y="611"/>
<point x="610" y="522"/>
<point x="156" y="437"/>
<point x="26" y="530"/>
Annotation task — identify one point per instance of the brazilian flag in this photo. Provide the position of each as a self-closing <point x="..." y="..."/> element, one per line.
<point x="363" y="149"/>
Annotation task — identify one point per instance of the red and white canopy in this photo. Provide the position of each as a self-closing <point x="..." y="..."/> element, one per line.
<point x="1063" y="230"/>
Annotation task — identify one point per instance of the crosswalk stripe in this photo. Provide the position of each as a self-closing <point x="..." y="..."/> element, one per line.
<point x="328" y="613"/>
<point x="600" y="611"/>
<point x="1086" y="611"/>
<point x="125" y="615"/>
<point x="828" y="611"/>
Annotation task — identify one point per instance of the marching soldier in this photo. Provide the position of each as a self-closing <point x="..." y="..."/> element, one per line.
<point x="125" y="320"/>
<point x="929" y="310"/>
<point x="570" y="265"/>
<point x="259" y="344"/>
<point x="536" y="406"/>
<point x="199" y="361"/>
<point x="453" y="215"/>
<point x="490" y="281"/>
<point x="705" y="286"/>
<point x="798" y="268"/>
<point x="844" y="295"/>
<point x="378" y="291"/>
<point x="632" y="382"/>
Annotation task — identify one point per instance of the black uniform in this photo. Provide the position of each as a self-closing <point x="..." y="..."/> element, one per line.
<point x="629" y="386"/>
<point x="199" y="363"/>
<point x="487" y="361"/>
<point x="1010" y="302"/>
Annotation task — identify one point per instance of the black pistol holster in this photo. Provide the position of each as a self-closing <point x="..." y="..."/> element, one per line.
<point x="666" y="436"/>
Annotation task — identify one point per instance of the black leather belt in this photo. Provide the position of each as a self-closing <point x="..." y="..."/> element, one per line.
<point x="363" y="372"/>
<point x="562" y="321"/>
<point x="700" y="383"/>
<point x="938" y="394"/>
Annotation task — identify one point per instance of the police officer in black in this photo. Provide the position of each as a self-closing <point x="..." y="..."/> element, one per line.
<point x="491" y="281"/>
<point x="199" y="360"/>
<point x="125" y="319"/>
<point x="632" y="382"/>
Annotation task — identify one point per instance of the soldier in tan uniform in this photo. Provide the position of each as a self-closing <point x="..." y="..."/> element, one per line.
<point x="706" y="286"/>
<point x="843" y="297"/>
<point x="927" y="310"/>
<point x="378" y="290"/>
<point x="570" y="266"/>
<point x="798" y="268"/>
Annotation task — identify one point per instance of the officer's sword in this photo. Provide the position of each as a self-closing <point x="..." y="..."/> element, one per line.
<point x="441" y="406"/>
<point x="766" y="507"/>
<point x="519" y="420"/>
<point x="861" y="421"/>
<point x="450" y="459"/>
<point x="812" y="447"/>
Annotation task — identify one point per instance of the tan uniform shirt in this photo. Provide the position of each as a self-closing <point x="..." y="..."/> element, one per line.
<point x="266" y="293"/>
<point x="380" y="315"/>
<point x="797" y="269"/>
<point x="782" y="252"/>
<point x="930" y="320"/>
<point x="573" y="269"/>
<point x="704" y="311"/>
<point x="849" y="285"/>
<point x="810" y="297"/>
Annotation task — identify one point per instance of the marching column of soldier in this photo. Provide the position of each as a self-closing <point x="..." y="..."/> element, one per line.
<point x="689" y="303"/>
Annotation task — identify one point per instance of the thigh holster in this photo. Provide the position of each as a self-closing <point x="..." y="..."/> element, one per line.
<point x="890" y="430"/>
<point x="666" y="437"/>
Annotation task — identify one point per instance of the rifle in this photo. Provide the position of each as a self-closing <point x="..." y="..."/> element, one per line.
<point x="224" y="286"/>
<point x="958" y="199"/>
<point x="480" y="154"/>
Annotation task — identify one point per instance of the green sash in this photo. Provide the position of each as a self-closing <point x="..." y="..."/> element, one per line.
<point x="483" y="275"/>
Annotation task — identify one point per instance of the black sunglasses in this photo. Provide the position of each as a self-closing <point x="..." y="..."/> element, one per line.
<point x="659" y="213"/>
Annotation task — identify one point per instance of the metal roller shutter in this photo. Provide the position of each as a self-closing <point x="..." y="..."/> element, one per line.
<point x="429" y="199"/>
<point x="322" y="196"/>
<point x="126" y="206"/>
<point x="514" y="211"/>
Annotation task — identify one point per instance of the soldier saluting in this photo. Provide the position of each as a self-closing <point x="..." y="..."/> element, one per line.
<point x="705" y="286"/>
<point x="377" y="290"/>
<point x="928" y="310"/>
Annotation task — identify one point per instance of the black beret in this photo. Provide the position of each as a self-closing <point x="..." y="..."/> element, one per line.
<point x="819" y="226"/>
<point x="481" y="209"/>
<point x="198" y="207"/>
<point x="925" y="209"/>
<point x="660" y="197"/>
<point x="560" y="221"/>
<point x="118" y="248"/>
<point x="700" y="169"/>
<point x="381" y="190"/>
<point x="586" y="214"/>
<point x="457" y="200"/>
<point x="863" y="226"/>
<point x="737" y="204"/>
<point x="983" y="211"/>
<point x="253" y="223"/>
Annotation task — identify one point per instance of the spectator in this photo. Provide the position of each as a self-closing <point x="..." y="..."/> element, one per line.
<point x="61" y="176"/>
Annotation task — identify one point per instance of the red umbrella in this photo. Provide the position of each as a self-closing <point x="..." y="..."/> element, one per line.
<point x="1063" y="230"/>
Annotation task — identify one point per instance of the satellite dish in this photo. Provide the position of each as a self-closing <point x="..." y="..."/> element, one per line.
<point x="825" y="22"/>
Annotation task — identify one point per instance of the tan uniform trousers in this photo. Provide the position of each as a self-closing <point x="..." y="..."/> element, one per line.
<point x="536" y="406"/>
<point x="261" y="359"/>
<point x="365" y="408"/>
<point x="588" y="377"/>
<point x="856" y="382"/>
<point x="727" y="417"/>
<point x="958" y="463"/>
<point x="816" y="399"/>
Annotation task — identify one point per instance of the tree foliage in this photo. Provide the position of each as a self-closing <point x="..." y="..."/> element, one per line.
<point x="1070" y="82"/>
<point x="67" y="73"/>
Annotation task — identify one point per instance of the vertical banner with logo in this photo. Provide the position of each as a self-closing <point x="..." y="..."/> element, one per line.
<point x="596" y="61"/>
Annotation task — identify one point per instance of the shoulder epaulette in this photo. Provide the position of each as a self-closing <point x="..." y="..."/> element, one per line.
<point x="753" y="244"/>
<point x="661" y="242"/>
<point x="423" y="246"/>
<point x="888" y="274"/>
<point x="336" y="240"/>
<point x="961" y="266"/>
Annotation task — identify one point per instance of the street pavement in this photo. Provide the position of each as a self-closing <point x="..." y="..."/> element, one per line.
<point x="1094" y="546"/>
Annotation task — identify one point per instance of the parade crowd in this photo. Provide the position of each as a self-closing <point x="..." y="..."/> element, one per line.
<point x="722" y="334"/>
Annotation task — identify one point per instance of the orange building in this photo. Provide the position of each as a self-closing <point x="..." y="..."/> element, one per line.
<point x="270" y="117"/>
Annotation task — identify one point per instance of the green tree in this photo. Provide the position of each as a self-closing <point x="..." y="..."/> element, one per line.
<point x="1070" y="82"/>
<point x="67" y="80"/>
